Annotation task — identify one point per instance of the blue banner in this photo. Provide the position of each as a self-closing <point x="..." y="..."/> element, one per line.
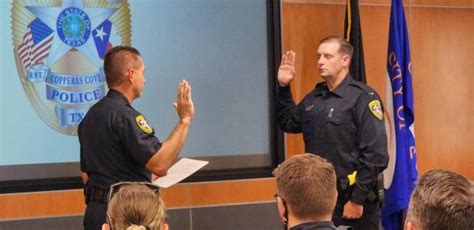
<point x="61" y="80"/>
<point x="70" y="116"/>
<point x="72" y="97"/>
<point x="397" y="194"/>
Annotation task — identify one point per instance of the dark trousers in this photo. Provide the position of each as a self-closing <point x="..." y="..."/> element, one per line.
<point x="95" y="216"/>
<point x="369" y="220"/>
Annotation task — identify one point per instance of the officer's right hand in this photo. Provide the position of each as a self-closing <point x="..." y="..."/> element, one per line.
<point x="184" y="104"/>
<point x="287" y="70"/>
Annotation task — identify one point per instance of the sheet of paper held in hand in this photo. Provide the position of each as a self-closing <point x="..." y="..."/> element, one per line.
<point x="182" y="169"/>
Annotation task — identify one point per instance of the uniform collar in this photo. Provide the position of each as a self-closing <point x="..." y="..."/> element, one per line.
<point x="341" y="88"/>
<point x="117" y="95"/>
<point x="322" y="88"/>
<point x="314" y="225"/>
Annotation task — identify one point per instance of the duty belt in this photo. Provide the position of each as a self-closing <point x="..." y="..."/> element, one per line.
<point x="96" y="195"/>
<point x="345" y="185"/>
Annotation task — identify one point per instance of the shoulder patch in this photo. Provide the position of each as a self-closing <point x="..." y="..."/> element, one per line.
<point x="143" y="124"/>
<point x="376" y="109"/>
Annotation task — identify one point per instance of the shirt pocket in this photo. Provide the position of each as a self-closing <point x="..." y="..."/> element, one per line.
<point x="311" y="123"/>
<point x="339" y="129"/>
<point x="307" y="125"/>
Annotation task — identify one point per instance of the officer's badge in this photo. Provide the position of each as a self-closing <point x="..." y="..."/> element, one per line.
<point x="376" y="109"/>
<point x="59" y="48"/>
<point x="143" y="124"/>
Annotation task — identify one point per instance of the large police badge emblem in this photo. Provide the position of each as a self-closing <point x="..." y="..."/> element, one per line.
<point x="59" y="48"/>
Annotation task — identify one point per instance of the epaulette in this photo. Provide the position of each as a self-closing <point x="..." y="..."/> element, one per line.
<point x="364" y="87"/>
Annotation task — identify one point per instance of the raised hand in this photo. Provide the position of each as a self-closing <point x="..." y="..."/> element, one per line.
<point x="287" y="70"/>
<point x="184" y="104"/>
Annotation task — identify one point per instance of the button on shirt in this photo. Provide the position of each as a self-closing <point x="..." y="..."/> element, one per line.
<point x="116" y="142"/>
<point x="345" y="126"/>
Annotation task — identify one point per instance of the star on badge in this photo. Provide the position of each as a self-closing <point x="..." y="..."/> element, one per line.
<point x="100" y="33"/>
<point x="73" y="25"/>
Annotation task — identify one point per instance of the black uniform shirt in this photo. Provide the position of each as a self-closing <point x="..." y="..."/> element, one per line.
<point x="116" y="142"/>
<point x="323" y="225"/>
<point x="345" y="126"/>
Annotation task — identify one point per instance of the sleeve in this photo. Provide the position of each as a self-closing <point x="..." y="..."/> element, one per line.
<point x="138" y="138"/>
<point x="372" y="143"/>
<point x="288" y="114"/>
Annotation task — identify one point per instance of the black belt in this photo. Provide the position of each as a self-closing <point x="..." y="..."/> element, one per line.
<point x="96" y="195"/>
<point x="375" y="194"/>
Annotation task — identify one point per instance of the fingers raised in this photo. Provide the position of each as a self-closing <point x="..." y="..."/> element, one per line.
<point x="288" y="58"/>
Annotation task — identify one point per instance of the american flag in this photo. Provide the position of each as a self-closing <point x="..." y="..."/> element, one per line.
<point x="36" y="43"/>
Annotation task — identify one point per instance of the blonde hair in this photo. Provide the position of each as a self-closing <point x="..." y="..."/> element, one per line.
<point x="136" y="207"/>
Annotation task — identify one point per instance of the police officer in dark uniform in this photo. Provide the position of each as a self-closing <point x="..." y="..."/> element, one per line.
<point x="342" y="121"/>
<point x="117" y="143"/>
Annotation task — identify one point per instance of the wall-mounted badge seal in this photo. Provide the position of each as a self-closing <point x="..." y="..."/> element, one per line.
<point x="59" y="47"/>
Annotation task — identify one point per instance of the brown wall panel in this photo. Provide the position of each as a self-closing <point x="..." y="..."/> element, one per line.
<point x="408" y="3"/>
<point x="441" y="46"/>
<point x="39" y="204"/>
<point x="71" y="202"/>
<point x="223" y="192"/>
<point x="442" y="49"/>
<point x="228" y="192"/>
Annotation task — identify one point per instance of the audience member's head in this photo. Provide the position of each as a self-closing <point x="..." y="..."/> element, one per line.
<point x="135" y="206"/>
<point x="441" y="200"/>
<point x="306" y="189"/>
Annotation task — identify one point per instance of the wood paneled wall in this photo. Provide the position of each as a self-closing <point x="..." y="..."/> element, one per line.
<point x="441" y="48"/>
<point x="441" y="45"/>
<point x="71" y="202"/>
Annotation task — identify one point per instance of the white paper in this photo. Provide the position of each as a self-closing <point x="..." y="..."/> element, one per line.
<point x="179" y="171"/>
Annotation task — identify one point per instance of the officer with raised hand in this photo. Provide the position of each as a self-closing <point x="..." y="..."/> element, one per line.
<point x="341" y="120"/>
<point x="117" y="143"/>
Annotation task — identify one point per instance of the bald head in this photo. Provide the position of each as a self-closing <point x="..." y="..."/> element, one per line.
<point x="118" y="61"/>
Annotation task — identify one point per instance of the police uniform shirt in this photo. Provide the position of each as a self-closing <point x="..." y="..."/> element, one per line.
<point x="116" y="142"/>
<point x="323" y="225"/>
<point x="345" y="126"/>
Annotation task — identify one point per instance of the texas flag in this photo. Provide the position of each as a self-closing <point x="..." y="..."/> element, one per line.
<point x="102" y="34"/>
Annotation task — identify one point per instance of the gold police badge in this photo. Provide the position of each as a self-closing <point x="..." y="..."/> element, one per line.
<point x="59" y="47"/>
